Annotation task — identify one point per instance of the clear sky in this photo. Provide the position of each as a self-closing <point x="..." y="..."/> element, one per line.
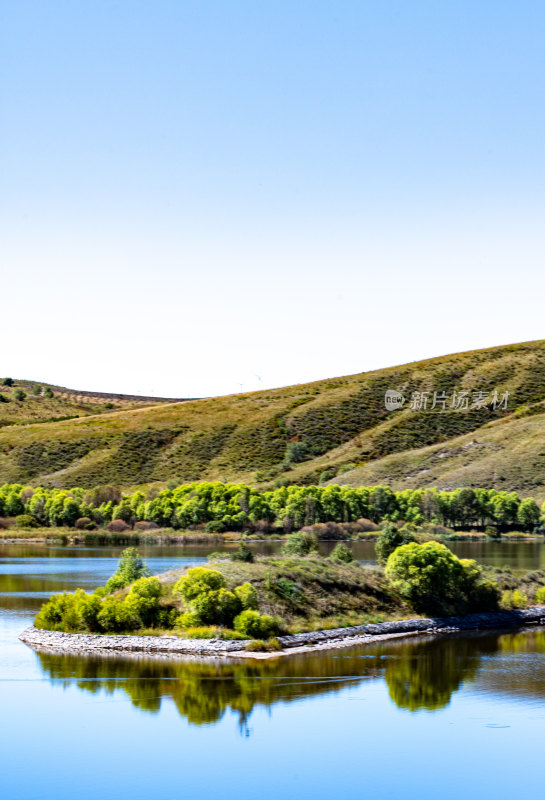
<point x="195" y="193"/>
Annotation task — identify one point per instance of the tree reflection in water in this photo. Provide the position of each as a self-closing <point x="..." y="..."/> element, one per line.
<point x="420" y="675"/>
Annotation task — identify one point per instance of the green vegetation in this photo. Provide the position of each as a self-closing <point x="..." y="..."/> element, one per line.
<point x="318" y="512"/>
<point x="130" y="568"/>
<point x="435" y="581"/>
<point x="389" y="538"/>
<point x="30" y="403"/>
<point x="293" y="593"/>
<point x="300" y="544"/>
<point x="341" y="553"/>
<point x="229" y="599"/>
<point x="327" y="430"/>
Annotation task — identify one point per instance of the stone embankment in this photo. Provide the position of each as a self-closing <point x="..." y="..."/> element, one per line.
<point x="300" y="642"/>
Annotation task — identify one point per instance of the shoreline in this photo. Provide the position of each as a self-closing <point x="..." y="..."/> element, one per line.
<point x="174" y="540"/>
<point x="173" y="646"/>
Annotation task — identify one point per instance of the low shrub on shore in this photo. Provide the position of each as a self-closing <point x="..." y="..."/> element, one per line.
<point x="341" y="553"/>
<point x="300" y="544"/>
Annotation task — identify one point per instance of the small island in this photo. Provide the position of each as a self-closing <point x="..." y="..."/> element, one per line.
<point x="240" y="604"/>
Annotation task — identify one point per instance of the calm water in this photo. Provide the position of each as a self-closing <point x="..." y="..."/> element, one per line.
<point x="459" y="716"/>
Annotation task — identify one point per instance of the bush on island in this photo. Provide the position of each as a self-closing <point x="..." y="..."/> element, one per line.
<point x="130" y="568"/>
<point x="209" y="602"/>
<point x="257" y="626"/>
<point x="434" y="581"/>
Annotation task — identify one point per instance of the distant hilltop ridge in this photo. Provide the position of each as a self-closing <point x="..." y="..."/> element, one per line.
<point x="105" y="395"/>
<point x="469" y="419"/>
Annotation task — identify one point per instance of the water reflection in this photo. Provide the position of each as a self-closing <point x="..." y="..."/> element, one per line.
<point x="420" y="675"/>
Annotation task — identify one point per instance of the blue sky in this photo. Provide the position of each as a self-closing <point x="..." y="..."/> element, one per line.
<point x="198" y="193"/>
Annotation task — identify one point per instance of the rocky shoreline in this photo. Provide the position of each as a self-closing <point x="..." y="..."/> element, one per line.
<point x="86" y="644"/>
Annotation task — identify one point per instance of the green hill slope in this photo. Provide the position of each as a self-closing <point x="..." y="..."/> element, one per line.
<point x="298" y="433"/>
<point x="45" y="402"/>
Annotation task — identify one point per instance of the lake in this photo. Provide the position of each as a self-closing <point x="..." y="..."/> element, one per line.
<point x="450" y="717"/>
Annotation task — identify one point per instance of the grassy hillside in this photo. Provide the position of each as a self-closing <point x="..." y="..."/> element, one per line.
<point x="309" y="432"/>
<point x="507" y="455"/>
<point x="45" y="402"/>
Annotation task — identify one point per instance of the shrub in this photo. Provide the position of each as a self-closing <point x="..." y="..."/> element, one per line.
<point x="516" y="599"/>
<point x="197" y="581"/>
<point x="130" y="568"/>
<point x="70" y="612"/>
<point x="3" y="398"/>
<point x="117" y="526"/>
<point x="346" y="468"/>
<point x="116" y="615"/>
<point x="211" y="632"/>
<point x="252" y="623"/>
<point x="19" y="395"/>
<point x="188" y="620"/>
<point x="7" y="382"/>
<point x="216" y="607"/>
<point x="259" y="646"/>
<point x="296" y="452"/>
<point x="389" y="539"/>
<point x="214" y="526"/>
<point x="342" y="554"/>
<point x="144" y="525"/>
<point x="435" y="581"/>
<point x="48" y="393"/>
<point x="326" y="475"/>
<point x="25" y="521"/>
<point x="84" y="524"/>
<point x="247" y="596"/>
<point x="37" y="389"/>
<point x="300" y="544"/>
<point x="540" y="595"/>
<point x="108" y="405"/>
<point x="243" y="553"/>
<point x="366" y="525"/>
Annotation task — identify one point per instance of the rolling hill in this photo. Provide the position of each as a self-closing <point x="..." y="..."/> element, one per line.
<point x="334" y="430"/>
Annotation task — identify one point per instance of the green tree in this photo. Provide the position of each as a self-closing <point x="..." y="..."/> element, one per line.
<point x="528" y="514"/>
<point x="19" y="395"/>
<point x="389" y="539"/>
<point x="7" y="382"/>
<point x="434" y="581"/>
<point x="130" y="568"/>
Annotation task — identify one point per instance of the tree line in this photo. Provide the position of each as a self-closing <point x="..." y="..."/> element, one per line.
<point x="238" y="507"/>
